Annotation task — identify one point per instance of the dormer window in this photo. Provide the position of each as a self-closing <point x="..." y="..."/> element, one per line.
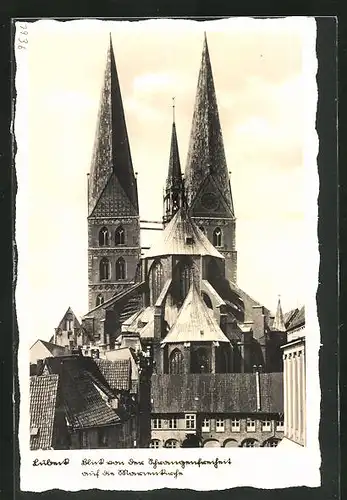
<point x="189" y="240"/>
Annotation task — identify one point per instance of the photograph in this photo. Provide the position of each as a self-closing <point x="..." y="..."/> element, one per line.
<point x="167" y="236"/>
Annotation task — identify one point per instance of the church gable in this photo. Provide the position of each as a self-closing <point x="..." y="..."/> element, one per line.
<point x="113" y="201"/>
<point x="209" y="201"/>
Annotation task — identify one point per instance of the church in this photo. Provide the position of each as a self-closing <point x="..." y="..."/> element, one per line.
<point x="213" y="353"/>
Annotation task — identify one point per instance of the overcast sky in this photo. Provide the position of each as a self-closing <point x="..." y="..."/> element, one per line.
<point x="264" y="74"/>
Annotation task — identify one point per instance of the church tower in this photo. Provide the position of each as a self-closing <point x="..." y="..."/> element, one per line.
<point x="113" y="211"/>
<point x="173" y="194"/>
<point x="207" y="181"/>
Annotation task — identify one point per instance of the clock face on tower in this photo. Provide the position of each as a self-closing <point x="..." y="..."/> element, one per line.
<point x="210" y="201"/>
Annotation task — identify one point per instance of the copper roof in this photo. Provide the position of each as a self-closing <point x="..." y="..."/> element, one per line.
<point x="206" y="149"/>
<point x="43" y="402"/>
<point x="195" y="322"/>
<point x="174" y="178"/>
<point x="216" y="393"/>
<point x="111" y="155"/>
<point x="182" y="237"/>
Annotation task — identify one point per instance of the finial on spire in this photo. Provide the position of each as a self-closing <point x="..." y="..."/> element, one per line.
<point x="173" y="109"/>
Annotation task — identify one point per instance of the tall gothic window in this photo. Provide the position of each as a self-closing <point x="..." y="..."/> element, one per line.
<point x="120" y="269"/>
<point x="120" y="236"/>
<point x="99" y="300"/>
<point x="157" y="280"/>
<point x="176" y="362"/>
<point x="186" y="276"/>
<point x="104" y="269"/>
<point x="217" y="237"/>
<point x="200" y="361"/>
<point x="103" y="237"/>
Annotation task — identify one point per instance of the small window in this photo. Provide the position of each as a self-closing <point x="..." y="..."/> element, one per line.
<point x="235" y="425"/>
<point x="69" y="324"/>
<point x="280" y="425"/>
<point x="249" y="443"/>
<point x="99" y="300"/>
<point x="156" y="423"/>
<point x="120" y="269"/>
<point x="266" y="425"/>
<point x="173" y="423"/>
<point x="250" y="425"/>
<point x="103" y="237"/>
<point x="154" y="443"/>
<point x="190" y="421"/>
<point x="219" y="424"/>
<point x="205" y="425"/>
<point x="171" y="443"/>
<point x="120" y="236"/>
<point x="189" y="240"/>
<point x="271" y="443"/>
<point x="217" y="237"/>
<point x="202" y="229"/>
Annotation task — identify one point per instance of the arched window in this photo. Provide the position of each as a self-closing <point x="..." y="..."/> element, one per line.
<point x="120" y="269"/>
<point x="271" y="443"/>
<point x="103" y="237"/>
<point x="99" y="300"/>
<point x="217" y="237"/>
<point x="154" y="443"/>
<point x="207" y="300"/>
<point x="249" y="443"/>
<point x="156" y="280"/>
<point x="104" y="269"/>
<point x="200" y="362"/>
<point x="176" y="362"/>
<point x="171" y="443"/>
<point x="120" y="236"/>
<point x="185" y="278"/>
<point x="211" y="443"/>
<point x="230" y="443"/>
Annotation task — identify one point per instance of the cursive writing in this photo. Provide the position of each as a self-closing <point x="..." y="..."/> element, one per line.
<point x="23" y="36"/>
<point x="50" y="462"/>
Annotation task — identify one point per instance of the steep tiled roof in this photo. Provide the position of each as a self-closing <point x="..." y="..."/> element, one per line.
<point x="183" y="237"/>
<point x="117" y="373"/>
<point x="84" y="405"/>
<point x="54" y="349"/>
<point x="195" y="322"/>
<point x="174" y="178"/>
<point x="206" y="148"/>
<point x="298" y="320"/>
<point x="216" y="393"/>
<point x="43" y="401"/>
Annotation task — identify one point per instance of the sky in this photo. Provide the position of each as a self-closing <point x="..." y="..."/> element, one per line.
<point x="264" y="75"/>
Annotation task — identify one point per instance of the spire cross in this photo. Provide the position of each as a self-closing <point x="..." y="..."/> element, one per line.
<point x="173" y="109"/>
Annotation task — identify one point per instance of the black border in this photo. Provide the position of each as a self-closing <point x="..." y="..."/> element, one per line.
<point x="327" y="297"/>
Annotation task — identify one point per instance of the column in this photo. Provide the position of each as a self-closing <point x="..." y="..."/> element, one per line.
<point x="295" y="397"/>
<point x="285" y="393"/>
<point x="290" y="396"/>
<point x="300" y="399"/>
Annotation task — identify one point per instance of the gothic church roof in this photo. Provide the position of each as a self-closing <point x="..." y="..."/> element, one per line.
<point x="182" y="237"/>
<point x="206" y="149"/>
<point x="111" y="155"/>
<point x="195" y="322"/>
<point x="174" y="178"/>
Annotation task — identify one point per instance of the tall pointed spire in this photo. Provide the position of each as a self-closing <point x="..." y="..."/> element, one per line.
<point x="206" y="154"/>
<point x="278" y="323"/>
<point x="111" y="148"/>
<point x="173" y="196"/>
